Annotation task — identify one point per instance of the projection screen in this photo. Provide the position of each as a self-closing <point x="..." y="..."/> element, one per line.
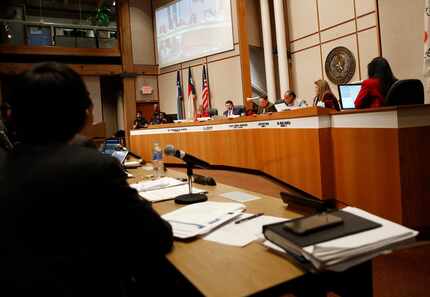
<point x="190" y="29"/>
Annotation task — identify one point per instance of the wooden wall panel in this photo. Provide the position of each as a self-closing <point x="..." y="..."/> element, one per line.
<point x="334" y="12"/>
<point x="365" y="6"/>
<point x="306" y="68"/>
<point x="367" y="48"/>
<point x="367" y="21"/>
<point x="338" y="31"/>
<point x="142" y="32"/>
<point x="335" y="23"/>
<point x="225" y="81"/>
<point x="168" y="94"/>
<point x="93" y="86"/>
<point x="402" y="37"/>
<point x="366" y="166"/>
<point x="415" y="175"/>
<point x="302" y="16"/>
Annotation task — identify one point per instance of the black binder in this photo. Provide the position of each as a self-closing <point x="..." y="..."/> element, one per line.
<point x="292" y="242"/>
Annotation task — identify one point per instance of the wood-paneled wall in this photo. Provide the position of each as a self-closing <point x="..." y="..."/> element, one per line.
<point x="318" y="26"/>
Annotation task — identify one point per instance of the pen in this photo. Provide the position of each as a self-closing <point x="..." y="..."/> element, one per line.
<point x="249" y="218"/>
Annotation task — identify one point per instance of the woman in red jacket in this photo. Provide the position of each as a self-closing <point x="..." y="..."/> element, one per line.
<point x="375" y="88"/>
<point x="325" y="95"/>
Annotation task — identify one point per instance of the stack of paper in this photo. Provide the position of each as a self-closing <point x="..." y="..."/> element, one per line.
<point x="342" y="253"/>
<point x="201" y="218"/>
<point x="161" y="183"/>
<point x="163" y="189"/>
<point x="168" y="193"/>
<point x="362" y="244"/>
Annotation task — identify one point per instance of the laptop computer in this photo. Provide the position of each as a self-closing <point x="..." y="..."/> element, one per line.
<point x="121" y="155"/>
<point x="347" y="95"/>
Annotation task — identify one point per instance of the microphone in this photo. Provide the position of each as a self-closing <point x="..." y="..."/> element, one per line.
<point x="187" y="158"/>
<point x="204" y="180"/>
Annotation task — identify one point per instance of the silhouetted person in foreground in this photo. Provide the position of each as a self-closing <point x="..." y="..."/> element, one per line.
<point x="70" y="225"/>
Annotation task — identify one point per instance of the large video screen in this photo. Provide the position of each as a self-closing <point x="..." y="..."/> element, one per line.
<point x="190" y="29"/>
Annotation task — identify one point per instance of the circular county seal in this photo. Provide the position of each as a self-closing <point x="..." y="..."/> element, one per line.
<point x="340" y="65"/>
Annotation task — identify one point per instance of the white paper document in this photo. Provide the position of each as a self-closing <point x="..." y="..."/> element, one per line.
<point x="201" y="218"/>
<point x="281" y="107"/>
<point x="239" y="196"/>
<point x="160" y="183"/>
<point x="243" y="233"/>
<point x="168" y="193"/>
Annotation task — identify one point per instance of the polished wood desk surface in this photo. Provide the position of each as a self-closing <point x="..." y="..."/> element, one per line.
<point x="221" y="270"/>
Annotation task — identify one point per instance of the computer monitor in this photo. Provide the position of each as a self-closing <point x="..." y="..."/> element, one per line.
<point x="347" y="94"/>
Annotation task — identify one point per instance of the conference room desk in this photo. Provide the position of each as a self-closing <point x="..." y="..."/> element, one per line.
<point x="375" y="159"/>
<point x="220" y="270"/>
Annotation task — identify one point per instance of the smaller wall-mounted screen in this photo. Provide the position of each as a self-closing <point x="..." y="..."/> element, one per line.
<point x="190" y="29"/>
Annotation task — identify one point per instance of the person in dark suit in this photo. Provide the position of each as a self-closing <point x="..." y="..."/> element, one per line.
<point x="70" y="223"/>
<point x="375" y="88"/>
<point x="231" y="110"/>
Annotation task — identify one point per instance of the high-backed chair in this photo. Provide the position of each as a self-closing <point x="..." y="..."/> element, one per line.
<point x="241" y="108"/>
<point x="213" y="111"/>
<point x="404" y="92"/>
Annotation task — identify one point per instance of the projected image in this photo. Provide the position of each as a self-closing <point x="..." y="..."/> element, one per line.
<point x="189" y="29"/>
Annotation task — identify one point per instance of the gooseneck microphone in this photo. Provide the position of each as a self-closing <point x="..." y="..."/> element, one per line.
<point x="191" y="162"/>
<point x="187" y="158"/>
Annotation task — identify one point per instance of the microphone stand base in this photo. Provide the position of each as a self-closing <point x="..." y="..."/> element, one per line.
<point x="191" y="198"/>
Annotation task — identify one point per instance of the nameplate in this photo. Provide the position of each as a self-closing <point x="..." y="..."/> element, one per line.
<point x="298" y="123"/>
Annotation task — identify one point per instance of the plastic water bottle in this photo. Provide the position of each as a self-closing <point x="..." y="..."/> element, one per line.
<point x="157" y="160"/>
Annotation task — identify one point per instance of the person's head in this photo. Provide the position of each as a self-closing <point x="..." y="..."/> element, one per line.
<point x="264" y="101"/>
<point x="229" y="105"/>
<point x="321" y="88"/>
<point x="289" y="97"/>
<point x="380" y="68"/>
<point x="138" y="115"/>
<point x="50" y="103"/>
<point x="156" y="107"/>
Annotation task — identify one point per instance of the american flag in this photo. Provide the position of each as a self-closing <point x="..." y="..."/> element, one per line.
<point x="205" y="91"/>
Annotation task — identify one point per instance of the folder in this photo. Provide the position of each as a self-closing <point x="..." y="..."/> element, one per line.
<point x="361" y="237"/>
<point x="294" y="242"/>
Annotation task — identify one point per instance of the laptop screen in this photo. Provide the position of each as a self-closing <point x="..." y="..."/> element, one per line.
<point x="120" y="155"/>
<point x="347" y="95"/>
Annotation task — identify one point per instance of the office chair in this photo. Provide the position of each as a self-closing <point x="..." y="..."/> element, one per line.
<point x="405" y="92"/>
<point x="241" y="109"/>
<point x="213" y="112"/>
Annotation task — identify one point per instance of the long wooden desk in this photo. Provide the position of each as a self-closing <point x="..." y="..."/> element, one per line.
<point x="221" y="270"/>
<point x="375" y="159"/>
